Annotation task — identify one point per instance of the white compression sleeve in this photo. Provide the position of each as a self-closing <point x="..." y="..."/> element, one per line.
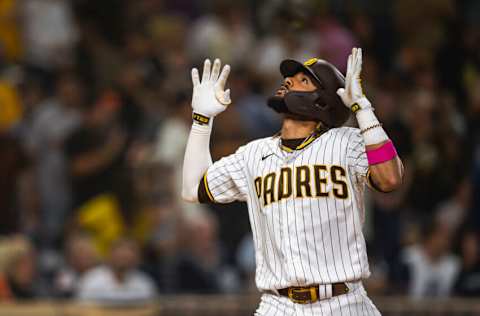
<point x="372" y="130"/>
<point x="197" y="160"/>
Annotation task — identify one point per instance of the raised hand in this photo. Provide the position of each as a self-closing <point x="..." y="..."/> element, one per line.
<point x="352" y="95"/>
<point x="209" y="95"/>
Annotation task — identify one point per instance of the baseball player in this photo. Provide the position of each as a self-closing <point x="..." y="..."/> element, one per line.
<point x="303" y="187"/>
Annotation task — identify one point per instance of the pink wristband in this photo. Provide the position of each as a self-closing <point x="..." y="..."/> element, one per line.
<point x="384" y="153"/>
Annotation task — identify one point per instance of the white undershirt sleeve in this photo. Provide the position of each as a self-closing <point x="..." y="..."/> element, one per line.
<point x="197" y="160"/>
<point x="372" y="130"/>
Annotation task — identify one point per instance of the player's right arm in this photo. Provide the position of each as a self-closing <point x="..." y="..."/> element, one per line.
<point x="208" y="100"/>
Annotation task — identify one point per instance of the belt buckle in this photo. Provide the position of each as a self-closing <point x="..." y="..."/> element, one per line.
<point x="294" y="291"/>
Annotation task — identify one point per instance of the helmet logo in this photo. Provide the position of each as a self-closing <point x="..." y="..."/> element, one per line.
<point x="310" y="62"/>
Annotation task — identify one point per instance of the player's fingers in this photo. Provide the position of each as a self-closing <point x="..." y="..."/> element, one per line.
<point x="206" y="70"/>
<point x="226" y="96"/>
<point x="341" y="92"/>
<point x="195" y="77"/>
<point x="215" y="70"/>
<point x="354" y="59"/>
<point x="349" y="67"/>
<point x="350" y="70"/>
<point x="223" y="97"/>
<point x="349" y="63"/>
<point x="359" y="60"/>
<point x="223" y="77"/>
<point x="347" y="87"/>
<point x="357" y="64"/>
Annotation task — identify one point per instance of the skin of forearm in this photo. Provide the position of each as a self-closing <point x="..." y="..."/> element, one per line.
<point x="387" y="175"/>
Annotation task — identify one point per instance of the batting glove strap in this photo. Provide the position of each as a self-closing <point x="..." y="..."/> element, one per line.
<point x="360" y="104"/>
<point x="200" y="118"/>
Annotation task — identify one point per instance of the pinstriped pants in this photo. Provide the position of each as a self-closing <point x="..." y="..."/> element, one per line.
<point x="354" y="303"/>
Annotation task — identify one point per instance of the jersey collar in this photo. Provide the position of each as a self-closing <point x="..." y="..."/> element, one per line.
<point x="319" y="131"/>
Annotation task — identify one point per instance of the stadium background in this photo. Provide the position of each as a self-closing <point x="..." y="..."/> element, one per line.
<point x="94" y="116"/>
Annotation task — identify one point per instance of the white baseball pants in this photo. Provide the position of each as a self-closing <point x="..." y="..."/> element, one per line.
<point x="354" y="303"/>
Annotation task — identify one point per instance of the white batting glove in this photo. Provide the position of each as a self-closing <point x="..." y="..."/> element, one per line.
<point x="352" y="96"/>
<point x="209" y="97"/>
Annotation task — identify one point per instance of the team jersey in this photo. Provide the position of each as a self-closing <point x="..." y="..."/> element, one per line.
<point x="306" y="206"/>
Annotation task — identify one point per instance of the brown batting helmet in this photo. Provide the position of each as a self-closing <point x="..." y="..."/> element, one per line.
<point x="323" y="104"/>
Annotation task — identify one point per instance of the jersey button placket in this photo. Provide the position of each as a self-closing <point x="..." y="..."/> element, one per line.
<point x="289" y="223"/>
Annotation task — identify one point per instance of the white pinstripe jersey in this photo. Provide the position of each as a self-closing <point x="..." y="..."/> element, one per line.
<point x="305" y="206"/>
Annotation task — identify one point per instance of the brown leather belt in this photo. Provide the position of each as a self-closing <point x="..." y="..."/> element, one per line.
<point x="313" y="293"/>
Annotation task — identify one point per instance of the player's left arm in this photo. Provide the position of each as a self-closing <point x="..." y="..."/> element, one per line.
<point x="386" y="176"/>
<point x="385" y="166"/>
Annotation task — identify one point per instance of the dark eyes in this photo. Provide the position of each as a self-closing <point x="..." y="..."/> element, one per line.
<point x="305" y="80"/>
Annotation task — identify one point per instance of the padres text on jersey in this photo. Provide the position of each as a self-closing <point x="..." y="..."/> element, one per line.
<point x="305" y="206"/>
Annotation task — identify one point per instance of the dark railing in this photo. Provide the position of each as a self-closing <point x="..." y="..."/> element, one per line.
<point x="204" y="305"/>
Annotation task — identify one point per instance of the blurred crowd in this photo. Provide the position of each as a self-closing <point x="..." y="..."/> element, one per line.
<point x="95" y="113"/>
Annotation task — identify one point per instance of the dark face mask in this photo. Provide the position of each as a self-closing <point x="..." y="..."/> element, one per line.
<point x="308" y="106"/>
<point x="295" y="104"/>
